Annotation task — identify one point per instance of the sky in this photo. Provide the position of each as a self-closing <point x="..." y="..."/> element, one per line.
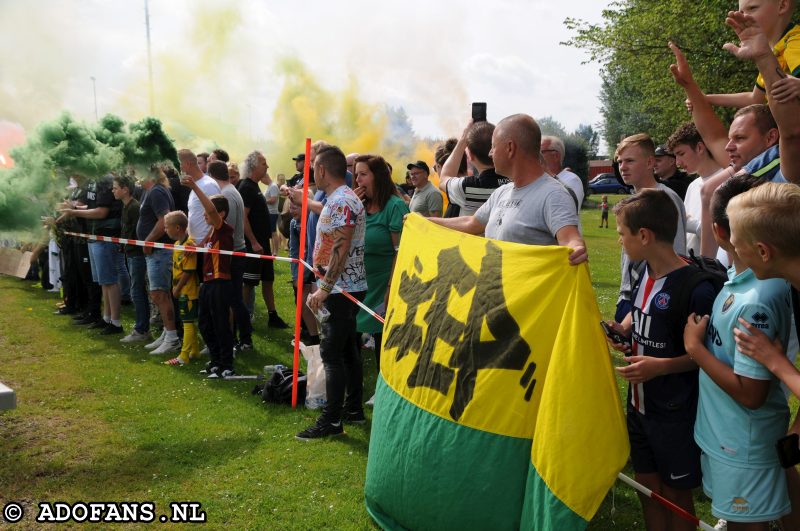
<point x="220" y="66"/>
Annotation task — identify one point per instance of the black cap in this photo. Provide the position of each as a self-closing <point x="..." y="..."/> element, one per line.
<point x="419" y="164"/>
<point x="301" y="156"/>
<point x="662" y="151"/>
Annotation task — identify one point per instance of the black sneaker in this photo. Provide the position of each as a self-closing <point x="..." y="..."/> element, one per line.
<point x="66" y="311"/>
<point x="320" y="430"/>
<point x="111" y="329"/>
<point x="214" y="373"/>
<point x="99" y="324"/>
<point x="243" y="345"/>
<point x="89" y="319"/>
<point x="275" y="321"/>
<point x="79" y="316"/>
<point x="209" y="368"/>
<point x="354" y="417"/>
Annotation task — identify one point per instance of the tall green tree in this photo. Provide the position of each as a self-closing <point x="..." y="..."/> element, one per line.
<point x="591" y="137"/>
<point x="638" y="92"/>
<point x="576" y="146"/>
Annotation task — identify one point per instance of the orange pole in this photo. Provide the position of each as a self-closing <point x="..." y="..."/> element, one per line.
<point x="298" y="314"/>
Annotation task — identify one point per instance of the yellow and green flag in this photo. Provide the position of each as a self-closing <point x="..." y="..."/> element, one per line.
<point x="496" y="406"/>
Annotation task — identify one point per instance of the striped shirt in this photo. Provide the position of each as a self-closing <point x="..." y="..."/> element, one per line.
<point x="218" y="266"/>
<point x="470" y="193"/>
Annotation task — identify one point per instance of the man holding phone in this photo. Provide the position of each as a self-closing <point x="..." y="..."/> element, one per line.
<point x="470" y="193"/>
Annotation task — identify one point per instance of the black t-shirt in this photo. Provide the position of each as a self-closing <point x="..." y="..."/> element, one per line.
<point x="99" y="195"/>
<point x="180" y="194"/>
<point x="678" y="183"/>
<point x="259" y="213"/>
<point x="130" y="217"/>
<point x="156" y="202"/>
<point x="76" y="195"/>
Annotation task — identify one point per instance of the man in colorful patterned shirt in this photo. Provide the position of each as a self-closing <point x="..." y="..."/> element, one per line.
<point x="339" y="256"/>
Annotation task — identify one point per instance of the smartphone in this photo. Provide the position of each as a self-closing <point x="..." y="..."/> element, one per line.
<point x="788" y="450"/>
<point x="613" y="335"/>
<point x="479" y="111"/>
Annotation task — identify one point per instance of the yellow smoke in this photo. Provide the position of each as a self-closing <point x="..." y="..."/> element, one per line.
<point x="304" y="108"/>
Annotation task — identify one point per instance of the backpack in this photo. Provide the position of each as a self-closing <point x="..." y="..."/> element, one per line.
<point x="701" y="269"/>
<point x="278" y="389"/>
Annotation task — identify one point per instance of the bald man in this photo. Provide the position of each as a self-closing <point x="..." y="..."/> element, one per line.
<point x="533" y="208"/>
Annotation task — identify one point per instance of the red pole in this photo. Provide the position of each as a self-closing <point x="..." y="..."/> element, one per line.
<point x="298" y="314"/>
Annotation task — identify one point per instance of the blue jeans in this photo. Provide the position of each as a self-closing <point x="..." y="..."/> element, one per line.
<point x="124" y="276"/>
<point x="137" y="267"/>
<point x="103" y="262"/>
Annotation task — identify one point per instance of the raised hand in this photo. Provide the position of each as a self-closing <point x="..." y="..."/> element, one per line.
<point x="753" y="43"/>
<point x="680" y="69"/>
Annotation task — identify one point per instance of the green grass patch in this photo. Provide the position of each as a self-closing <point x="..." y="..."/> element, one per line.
<point x="100" y="421"/>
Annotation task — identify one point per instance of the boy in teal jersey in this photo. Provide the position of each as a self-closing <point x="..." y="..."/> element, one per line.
<point x="765" y="231"/>
<point x="742" y="410"/>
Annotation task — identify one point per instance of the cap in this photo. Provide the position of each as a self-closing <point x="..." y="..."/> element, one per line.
<point x="662" y="151"/>
<point x="301" y="156"/>
<point x="419" y="164"/>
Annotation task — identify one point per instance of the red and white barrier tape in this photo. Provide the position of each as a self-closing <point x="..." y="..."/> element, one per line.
<point x="193" y="249"/>
<point x="665" y="502"/>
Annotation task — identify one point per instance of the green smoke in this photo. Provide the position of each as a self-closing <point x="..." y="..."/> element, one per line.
<point x="72" y="148"/>
<point x="65" y="147"/>
<point x="148" y="144"/>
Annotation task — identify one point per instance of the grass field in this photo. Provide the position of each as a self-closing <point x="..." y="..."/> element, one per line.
<point x="99" y="421"/>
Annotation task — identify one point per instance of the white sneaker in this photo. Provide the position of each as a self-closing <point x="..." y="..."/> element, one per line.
<point x="157" y="342"/>
<point x="205" y="351"/>
<point x="167" y="345"/>
<point x="370" y="402"/>
<point x="721" y="525"/>
<point x="135" y="337"/>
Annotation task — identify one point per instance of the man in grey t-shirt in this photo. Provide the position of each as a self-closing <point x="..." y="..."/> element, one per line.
<point x="534" y="208"/>
<point x="427" y="199"/>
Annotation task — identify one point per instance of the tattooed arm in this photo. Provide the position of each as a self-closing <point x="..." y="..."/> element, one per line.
<point x="342" y="237"/>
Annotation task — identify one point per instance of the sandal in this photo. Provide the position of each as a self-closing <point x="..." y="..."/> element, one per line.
<point x="175" y="362"/>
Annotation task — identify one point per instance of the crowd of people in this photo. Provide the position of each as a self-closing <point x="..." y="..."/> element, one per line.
<point x="709" y="338"/>
<point x="705" y="355"/>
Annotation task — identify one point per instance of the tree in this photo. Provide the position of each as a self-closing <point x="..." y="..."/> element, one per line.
<point x="552" y="127"/>
<point x="590" y="136"/>
<point x="639" y="94"/>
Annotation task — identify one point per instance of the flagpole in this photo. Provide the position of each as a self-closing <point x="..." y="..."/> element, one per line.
<point x="298" y="314"/>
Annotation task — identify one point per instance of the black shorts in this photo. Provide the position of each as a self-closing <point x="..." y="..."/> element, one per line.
<point x="665" y="447"/>
<point x="258" y="269"/>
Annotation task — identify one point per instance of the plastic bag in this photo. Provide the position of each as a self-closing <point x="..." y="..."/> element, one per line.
<point x="316" y="397"/>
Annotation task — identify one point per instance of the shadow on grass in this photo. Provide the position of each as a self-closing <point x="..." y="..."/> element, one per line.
<point x="127" y="469"/>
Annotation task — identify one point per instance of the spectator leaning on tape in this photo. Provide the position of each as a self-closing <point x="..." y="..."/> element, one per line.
<point x="103" y="214"/>
<point x="157" y="203"/>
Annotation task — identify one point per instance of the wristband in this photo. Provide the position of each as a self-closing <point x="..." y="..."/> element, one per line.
<point x="325" y="286"/>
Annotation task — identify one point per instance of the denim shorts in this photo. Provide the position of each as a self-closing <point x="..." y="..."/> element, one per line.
<point x="103" y="260"/>
<point x="159" y="270"/>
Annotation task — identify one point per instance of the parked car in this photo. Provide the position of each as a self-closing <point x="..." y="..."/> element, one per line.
<point x="607" y="183"/>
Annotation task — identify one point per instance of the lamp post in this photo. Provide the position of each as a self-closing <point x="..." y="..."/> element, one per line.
<point x="94" y="91"/>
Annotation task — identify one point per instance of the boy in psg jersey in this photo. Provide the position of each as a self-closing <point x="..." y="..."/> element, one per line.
<point x="662" y="391"/>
